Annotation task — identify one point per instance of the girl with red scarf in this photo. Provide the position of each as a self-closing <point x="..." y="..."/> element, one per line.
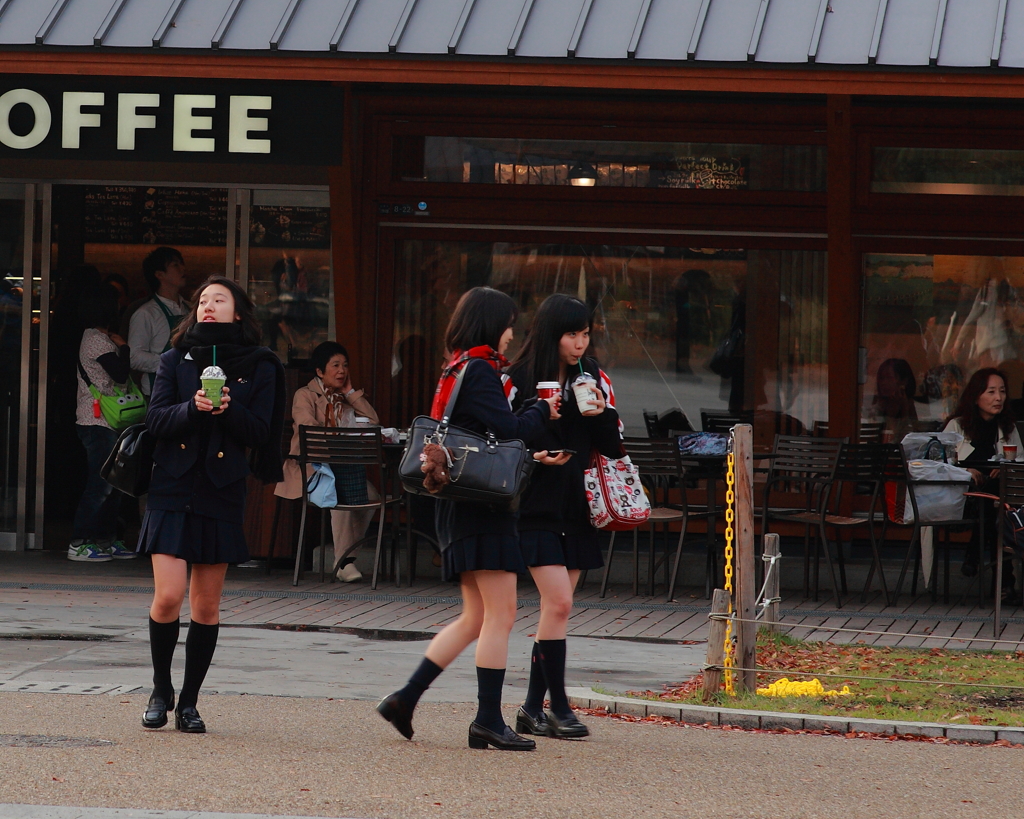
<point x="479" y="542"/>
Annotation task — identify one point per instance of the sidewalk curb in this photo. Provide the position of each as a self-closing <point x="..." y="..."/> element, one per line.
<point x="776" y="721"/>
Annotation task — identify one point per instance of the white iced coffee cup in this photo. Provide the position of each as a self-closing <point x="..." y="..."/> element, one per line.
<point x="584" y="387"/>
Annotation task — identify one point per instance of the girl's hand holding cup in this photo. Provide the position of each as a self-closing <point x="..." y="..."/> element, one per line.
<point x="204" y="404"/>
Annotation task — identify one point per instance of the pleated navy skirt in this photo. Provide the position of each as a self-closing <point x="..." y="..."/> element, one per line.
<point x="544" y="548"/>
<point x="487" y="552"/>
<point x="193" y="538"/>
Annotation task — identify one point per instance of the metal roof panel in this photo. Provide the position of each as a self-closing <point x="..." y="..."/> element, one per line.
<point x="549" y="28"/>
<point x="312" y="26"/>
<point x="788" y="28"/>
<point x="135" y="25"/>
<point x="968" y="32"/>
<point x="22" y="20"/>
<point x="195" y="24"/>
<point x="609" y="27"/>
<point x="1011" y="55"/>
<point x="431" y="26"/>
<point x="667" y="33"/>
<point x="907" y="32"/>
<point x="79" y="22"/>
<point x="254" y="24"/>
<point x="846" y="35"/>
<point x="372" y="24"/>
<point x="727" y="30"/>
<point x="490" y="27"/>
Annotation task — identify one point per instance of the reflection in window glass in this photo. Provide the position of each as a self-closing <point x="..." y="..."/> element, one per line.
<point x="611" y="164"/>
<point x="956" y="171"/>
<point x="929" y="323"/>
<point x="290" y="276"/>
<point x="659" y="315"/>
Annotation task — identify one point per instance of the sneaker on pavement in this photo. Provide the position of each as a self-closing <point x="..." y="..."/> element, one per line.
<point x="117" y="551"/>
<point x="88" y="552"/>
<point x="349" y="573"/>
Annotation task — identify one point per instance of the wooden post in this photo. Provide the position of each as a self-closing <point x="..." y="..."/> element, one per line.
<point x="716" y="645"/>
<point x="771" y="592"/>
<point x="745" y="574"/>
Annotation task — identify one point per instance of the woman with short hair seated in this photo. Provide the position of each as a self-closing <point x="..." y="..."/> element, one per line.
<point x="330" y="400"/>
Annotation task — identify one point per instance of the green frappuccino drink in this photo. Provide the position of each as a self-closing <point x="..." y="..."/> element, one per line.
<point x="213" y="379"/>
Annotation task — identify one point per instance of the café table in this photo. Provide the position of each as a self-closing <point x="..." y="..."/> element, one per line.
<point x="708" y="467"/>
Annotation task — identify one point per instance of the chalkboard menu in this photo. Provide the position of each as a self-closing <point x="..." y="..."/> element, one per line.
<point x="286" y="226"/>
<point x="123" y="214"/>
<point x="707" y="172"/>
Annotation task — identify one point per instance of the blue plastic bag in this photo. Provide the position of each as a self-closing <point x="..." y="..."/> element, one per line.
<point x="321" y="487"/>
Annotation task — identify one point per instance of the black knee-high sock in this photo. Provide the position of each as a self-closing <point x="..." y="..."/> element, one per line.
<point x="419" y="682"/>
<point x="552" y="658"/>
<point x="488" y="686"/>
<point x="200" y="644"/>
<point x="163" y="637"/>
<point x="537" y="687"/>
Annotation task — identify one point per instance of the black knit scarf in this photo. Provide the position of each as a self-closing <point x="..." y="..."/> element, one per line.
<point x="239" y="360"/>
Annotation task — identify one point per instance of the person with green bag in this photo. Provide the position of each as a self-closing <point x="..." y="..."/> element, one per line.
<point x="103" y="364"/>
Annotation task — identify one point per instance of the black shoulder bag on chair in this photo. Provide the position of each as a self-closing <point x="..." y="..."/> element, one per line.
<point x="129" y="466"/>
<point x="481" y="469"/>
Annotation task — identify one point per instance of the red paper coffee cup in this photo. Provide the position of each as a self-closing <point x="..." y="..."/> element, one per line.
<point x="548" y="389"/>
<point x="1010" y="452"/>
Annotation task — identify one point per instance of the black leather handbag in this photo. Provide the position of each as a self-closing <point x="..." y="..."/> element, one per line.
<point x="129" y="466"/>
<point x="482" y="468"/>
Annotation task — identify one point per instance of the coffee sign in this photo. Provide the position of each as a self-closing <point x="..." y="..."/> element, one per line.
<point x="161" y="120"/>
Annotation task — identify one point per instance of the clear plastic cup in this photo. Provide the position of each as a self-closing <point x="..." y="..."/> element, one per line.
<point x="213" y="380"/>
<point x="584" y="388"/>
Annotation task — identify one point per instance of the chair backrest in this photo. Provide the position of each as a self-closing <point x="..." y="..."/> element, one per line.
<point x="803" y="459"/>
<point x="712" y="420"/>
<point x="658" y="462"/>
<point x="1011" y="484"/>
<point x="651" y="422"/>
<point x="655" y="457"/>
<point x="863" y="463"/>
<point x="340" y="446"/>
<point x="869" y="432"/>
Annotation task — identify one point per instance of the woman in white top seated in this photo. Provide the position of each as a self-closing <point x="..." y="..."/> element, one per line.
<point x="983" y="417"/>
<point x="330" y="400"/>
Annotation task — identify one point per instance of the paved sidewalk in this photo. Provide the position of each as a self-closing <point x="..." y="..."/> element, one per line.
<point x="55" y="812"/>
<point x="306" y="756"/>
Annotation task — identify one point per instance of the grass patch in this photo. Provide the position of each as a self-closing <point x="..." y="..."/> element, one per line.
<point x="924" y="685"/>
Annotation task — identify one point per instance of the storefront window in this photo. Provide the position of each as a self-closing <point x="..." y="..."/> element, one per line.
<point x="956" y="171"/>
<point x="659" y="315"/>
<point x="680" y="165"/>
<point x="290" y="279"/>
<point x="929" y="323"/>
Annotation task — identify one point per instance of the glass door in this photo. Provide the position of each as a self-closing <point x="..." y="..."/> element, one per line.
<point x="24" y="304"/>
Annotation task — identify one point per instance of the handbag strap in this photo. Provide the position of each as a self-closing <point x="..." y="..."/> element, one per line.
<point x="450" y="406"/>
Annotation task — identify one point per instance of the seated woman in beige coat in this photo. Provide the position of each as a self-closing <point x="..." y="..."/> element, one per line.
<point x="330" y="400"/>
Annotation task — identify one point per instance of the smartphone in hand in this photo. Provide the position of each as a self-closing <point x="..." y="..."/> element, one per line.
<point x="561" y="451"/>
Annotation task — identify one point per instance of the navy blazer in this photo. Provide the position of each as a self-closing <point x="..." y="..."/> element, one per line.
<point x="200" y="462"/>
<point x="482" y="407"/>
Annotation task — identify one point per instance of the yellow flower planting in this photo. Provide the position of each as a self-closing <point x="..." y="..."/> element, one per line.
<point x="800" y="688"/>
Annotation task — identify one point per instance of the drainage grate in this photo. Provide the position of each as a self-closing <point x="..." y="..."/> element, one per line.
<point x="50" y="687"/>
<point x="40" y="741"/>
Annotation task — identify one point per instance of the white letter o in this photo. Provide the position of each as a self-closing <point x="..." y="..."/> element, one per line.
<point x="42" y="114"/>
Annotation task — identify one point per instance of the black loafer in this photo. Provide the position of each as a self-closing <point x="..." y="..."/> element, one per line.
<point x="526" y="723"/>
<point x="188" y="721"/>
<point x="507" y="740"/>
<point x="157" y="711"/>
<point x="566" y="727"/>
<point x="398" y="713"/>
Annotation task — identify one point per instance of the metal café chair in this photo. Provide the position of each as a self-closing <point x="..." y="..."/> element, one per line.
<point x="861" y="469"/>
<point x="660" y="469"/>
<point x="347" y="447"/>
<point x="897" y="473"/>
<point x="803" y="468"/>
<point x="1011" y="496"/>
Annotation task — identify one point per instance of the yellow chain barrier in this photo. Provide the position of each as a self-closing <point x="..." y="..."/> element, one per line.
<point x="730" y="516"/>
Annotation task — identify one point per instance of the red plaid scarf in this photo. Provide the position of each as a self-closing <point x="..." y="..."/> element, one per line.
<point x="458" y="361"/>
